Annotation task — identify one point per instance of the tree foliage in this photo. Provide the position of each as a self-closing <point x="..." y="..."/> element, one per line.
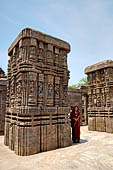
<point x="82" y="82"/>
<point x="73" y="86"/>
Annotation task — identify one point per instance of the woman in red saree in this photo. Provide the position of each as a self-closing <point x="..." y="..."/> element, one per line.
<point x="75" y="124"/>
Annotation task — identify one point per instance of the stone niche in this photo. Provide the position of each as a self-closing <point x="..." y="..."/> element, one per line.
<point x="3" y="92"/>
<point x="37" y="104"/>
<point x="100" y="92"/>
<point x="77" y="96"/>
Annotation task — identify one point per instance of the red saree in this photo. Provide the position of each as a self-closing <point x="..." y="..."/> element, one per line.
<point x="75" y="123"/>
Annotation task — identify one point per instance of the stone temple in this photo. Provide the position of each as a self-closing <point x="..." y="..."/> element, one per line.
<point x="3" y="93"/>
<point x="37" y="105"/>
<point x="100" y="92"/>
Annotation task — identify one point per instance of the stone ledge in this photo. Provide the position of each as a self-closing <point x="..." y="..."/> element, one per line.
<point x="99" y="66"/>
<point x="81" y="89"/>
<point x="28" y="32"/>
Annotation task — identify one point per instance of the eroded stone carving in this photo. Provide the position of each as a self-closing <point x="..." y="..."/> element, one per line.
<point x="37" y="110"/>
<point x="3" y="91"/>
<point x="100" y="92"/>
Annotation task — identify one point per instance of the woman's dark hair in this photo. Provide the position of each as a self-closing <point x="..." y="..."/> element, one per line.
<point x="72" y="107"/>
<point x="77" y="108"/>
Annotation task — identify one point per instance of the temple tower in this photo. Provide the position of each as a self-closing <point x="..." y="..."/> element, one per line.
<point x="37" y="104"/>
<point x="100" y="92"/>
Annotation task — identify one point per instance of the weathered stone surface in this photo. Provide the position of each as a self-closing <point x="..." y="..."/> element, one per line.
<point x="94" y="152"/>
<point x="99" y="66"/>
<point x="100" y="92"/>
<point x="3" y="91"/>
<point x="37" y="106"/>
<point x="78" y="97"/>
<point x="41" y="37"/>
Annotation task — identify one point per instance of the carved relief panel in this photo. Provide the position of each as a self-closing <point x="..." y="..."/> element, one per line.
<point x="50" y="90"/>
<point x="56" y="57"/>
<point x="57" y="91"/>
<point x="32" y="89"/>
<point x="40" y="89"/>
<point x="32" y="55"/>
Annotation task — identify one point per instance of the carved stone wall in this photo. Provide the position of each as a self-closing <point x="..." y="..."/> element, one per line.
<point x="100" y="92"/>
<point x="37" y="104"/>
<point x="78" y="97"/>
<point x="3" y="91"/>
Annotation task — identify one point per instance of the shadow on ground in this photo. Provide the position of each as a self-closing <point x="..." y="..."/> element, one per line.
<point x="81" y="141"/>
<point x="1" y="134"/>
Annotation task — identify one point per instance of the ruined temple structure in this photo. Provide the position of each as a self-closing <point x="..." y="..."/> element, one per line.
<point x="37" y="105"/>
<point x="3" y="91"/>
<point x="77" y="96"/>
<point x="100" y="92"/>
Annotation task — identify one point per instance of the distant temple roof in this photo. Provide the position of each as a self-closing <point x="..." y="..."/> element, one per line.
<point x="2" y="73"/>
<point x="99" y="66"/>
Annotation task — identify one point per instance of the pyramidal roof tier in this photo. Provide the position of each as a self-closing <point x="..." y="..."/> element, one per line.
<point x="99" y="66"/>
<point x="30" y="33"/>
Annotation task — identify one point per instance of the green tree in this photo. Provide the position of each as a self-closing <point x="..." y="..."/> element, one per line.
<point x="82" y="82"/>
<point x="72" y="86"/>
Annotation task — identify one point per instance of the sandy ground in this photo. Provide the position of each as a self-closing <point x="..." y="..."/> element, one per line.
<point x="94" y="152"/>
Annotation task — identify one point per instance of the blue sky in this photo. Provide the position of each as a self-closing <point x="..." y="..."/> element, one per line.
<point x="86" y="24"/>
